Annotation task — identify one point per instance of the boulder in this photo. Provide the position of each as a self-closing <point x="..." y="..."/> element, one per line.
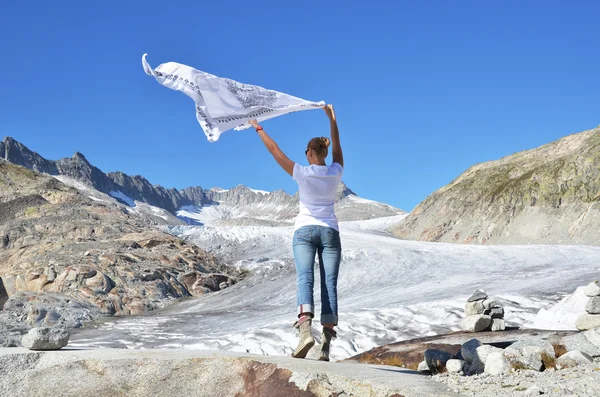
<point x="580" y="342"/>
<point x="474" y="308"/>
<point x="478" y="295"/>
<point x="468" y="349"/>
<point x="496" y="312"/>
<point x="524" y="344"/>
<point x="489" y="303"/>
<point x="481" y="355"/>
<point x="436" y="360"/>
<point x="498" y="324"/>
<point x="527" y="353"/>
<point x="454" y="366"/>
<point x="46" y="338"/>
<point x="423" y="367"/>
<point x="588" y="321"/>
<point x="593" y="305"/>
<point x="592" y="289"/>
<point x="497" y="364"/>
<point x="573" y="359"/>
<point x="477" y="323"/>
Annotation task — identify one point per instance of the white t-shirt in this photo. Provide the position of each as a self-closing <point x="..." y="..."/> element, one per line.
<point x="317" y="185"/>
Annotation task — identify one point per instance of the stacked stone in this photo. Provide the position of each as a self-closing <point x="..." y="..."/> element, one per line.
<point x="591" y="319"/>
<point x="483" y="314"/>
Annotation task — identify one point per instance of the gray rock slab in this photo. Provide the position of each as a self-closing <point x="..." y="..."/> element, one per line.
<point x="156" y="372"/>
<point x="478" y="295"/>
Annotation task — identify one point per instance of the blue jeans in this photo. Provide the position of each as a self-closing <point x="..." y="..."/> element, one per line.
<point x="325" y="242"/>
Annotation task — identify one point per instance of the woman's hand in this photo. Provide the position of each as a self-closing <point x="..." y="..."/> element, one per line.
<point x="254" y="123"/>
<point x="329" y="112"/>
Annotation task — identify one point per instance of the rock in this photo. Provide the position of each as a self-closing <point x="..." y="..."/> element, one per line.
<point x="573" y="359"/>
<point x="45" y="338"/>
<point x="454" y="366"/>
<point x="523" y="344"/>
<point x="593" y="335"/>
<point x="51" y="274"/>
<point x="191" y="372"/>
<point x="533" y="391"/>
<point x="478" y="295"/>
<point x="496" y="364"/>
<point x="593" y="305"/>
<point x="100" y="281"/>
<point x="496" y="312"/>
<point x="489" y="303"/>
<point x="71" y="275"/>
<point x="481" y="355"/>
<point x="527" y="353"/>
<point x="3" y="294"/>
<point x="474" y="308"/>
<point x="423" y="367"/>
<point x="498" y="324"/>
<point x="436" y="360"/>
<point x="588" y="321"/>
<point x="581" y="343"/>
<point x="476" y="323"/>
<point x="467" y="350"/>
<point x="592" y="289"/>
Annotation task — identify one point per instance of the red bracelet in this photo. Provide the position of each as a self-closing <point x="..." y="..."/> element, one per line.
<point x="259" y="128"/>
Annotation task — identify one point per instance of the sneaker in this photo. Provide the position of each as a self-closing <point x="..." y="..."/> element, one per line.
<point x="304" y="326"/>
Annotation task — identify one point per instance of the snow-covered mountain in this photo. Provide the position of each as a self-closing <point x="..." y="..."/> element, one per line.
<point x="194" y="205"/>
<point x="244" y="207"/>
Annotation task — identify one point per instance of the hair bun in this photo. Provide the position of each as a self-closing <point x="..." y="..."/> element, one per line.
<point x="325" y="141"/>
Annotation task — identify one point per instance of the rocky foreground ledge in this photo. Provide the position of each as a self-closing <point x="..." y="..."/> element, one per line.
<point x="118" y="372"/>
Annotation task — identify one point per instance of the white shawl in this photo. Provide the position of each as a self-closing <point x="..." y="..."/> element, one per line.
<point x="223" y="104"/>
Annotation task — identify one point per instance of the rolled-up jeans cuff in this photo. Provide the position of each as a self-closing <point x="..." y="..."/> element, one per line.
<point x="305" y="308"/>
<point x="329" y="319"/>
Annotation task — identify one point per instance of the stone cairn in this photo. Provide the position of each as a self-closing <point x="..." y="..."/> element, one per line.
<point x="482" y="314"/>
<point x="591" y="319"/>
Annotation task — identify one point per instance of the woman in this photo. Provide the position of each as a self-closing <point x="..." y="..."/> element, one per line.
<point x="316" y="232"/>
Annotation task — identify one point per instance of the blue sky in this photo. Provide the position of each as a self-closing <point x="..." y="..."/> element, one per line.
<point x="423" y="90"/>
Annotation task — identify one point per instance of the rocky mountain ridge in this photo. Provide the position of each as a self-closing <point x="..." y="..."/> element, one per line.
<point x="547" y="195"/>
<point x="66" y="259"/>
<point x="249" y="205"/>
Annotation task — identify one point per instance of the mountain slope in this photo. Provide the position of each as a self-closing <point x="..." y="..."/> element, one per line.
<point x="63" y="253"/>
<point x="547" y="195"/>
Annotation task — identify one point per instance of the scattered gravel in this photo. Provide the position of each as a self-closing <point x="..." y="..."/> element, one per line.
<point x="579" y="381"/>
